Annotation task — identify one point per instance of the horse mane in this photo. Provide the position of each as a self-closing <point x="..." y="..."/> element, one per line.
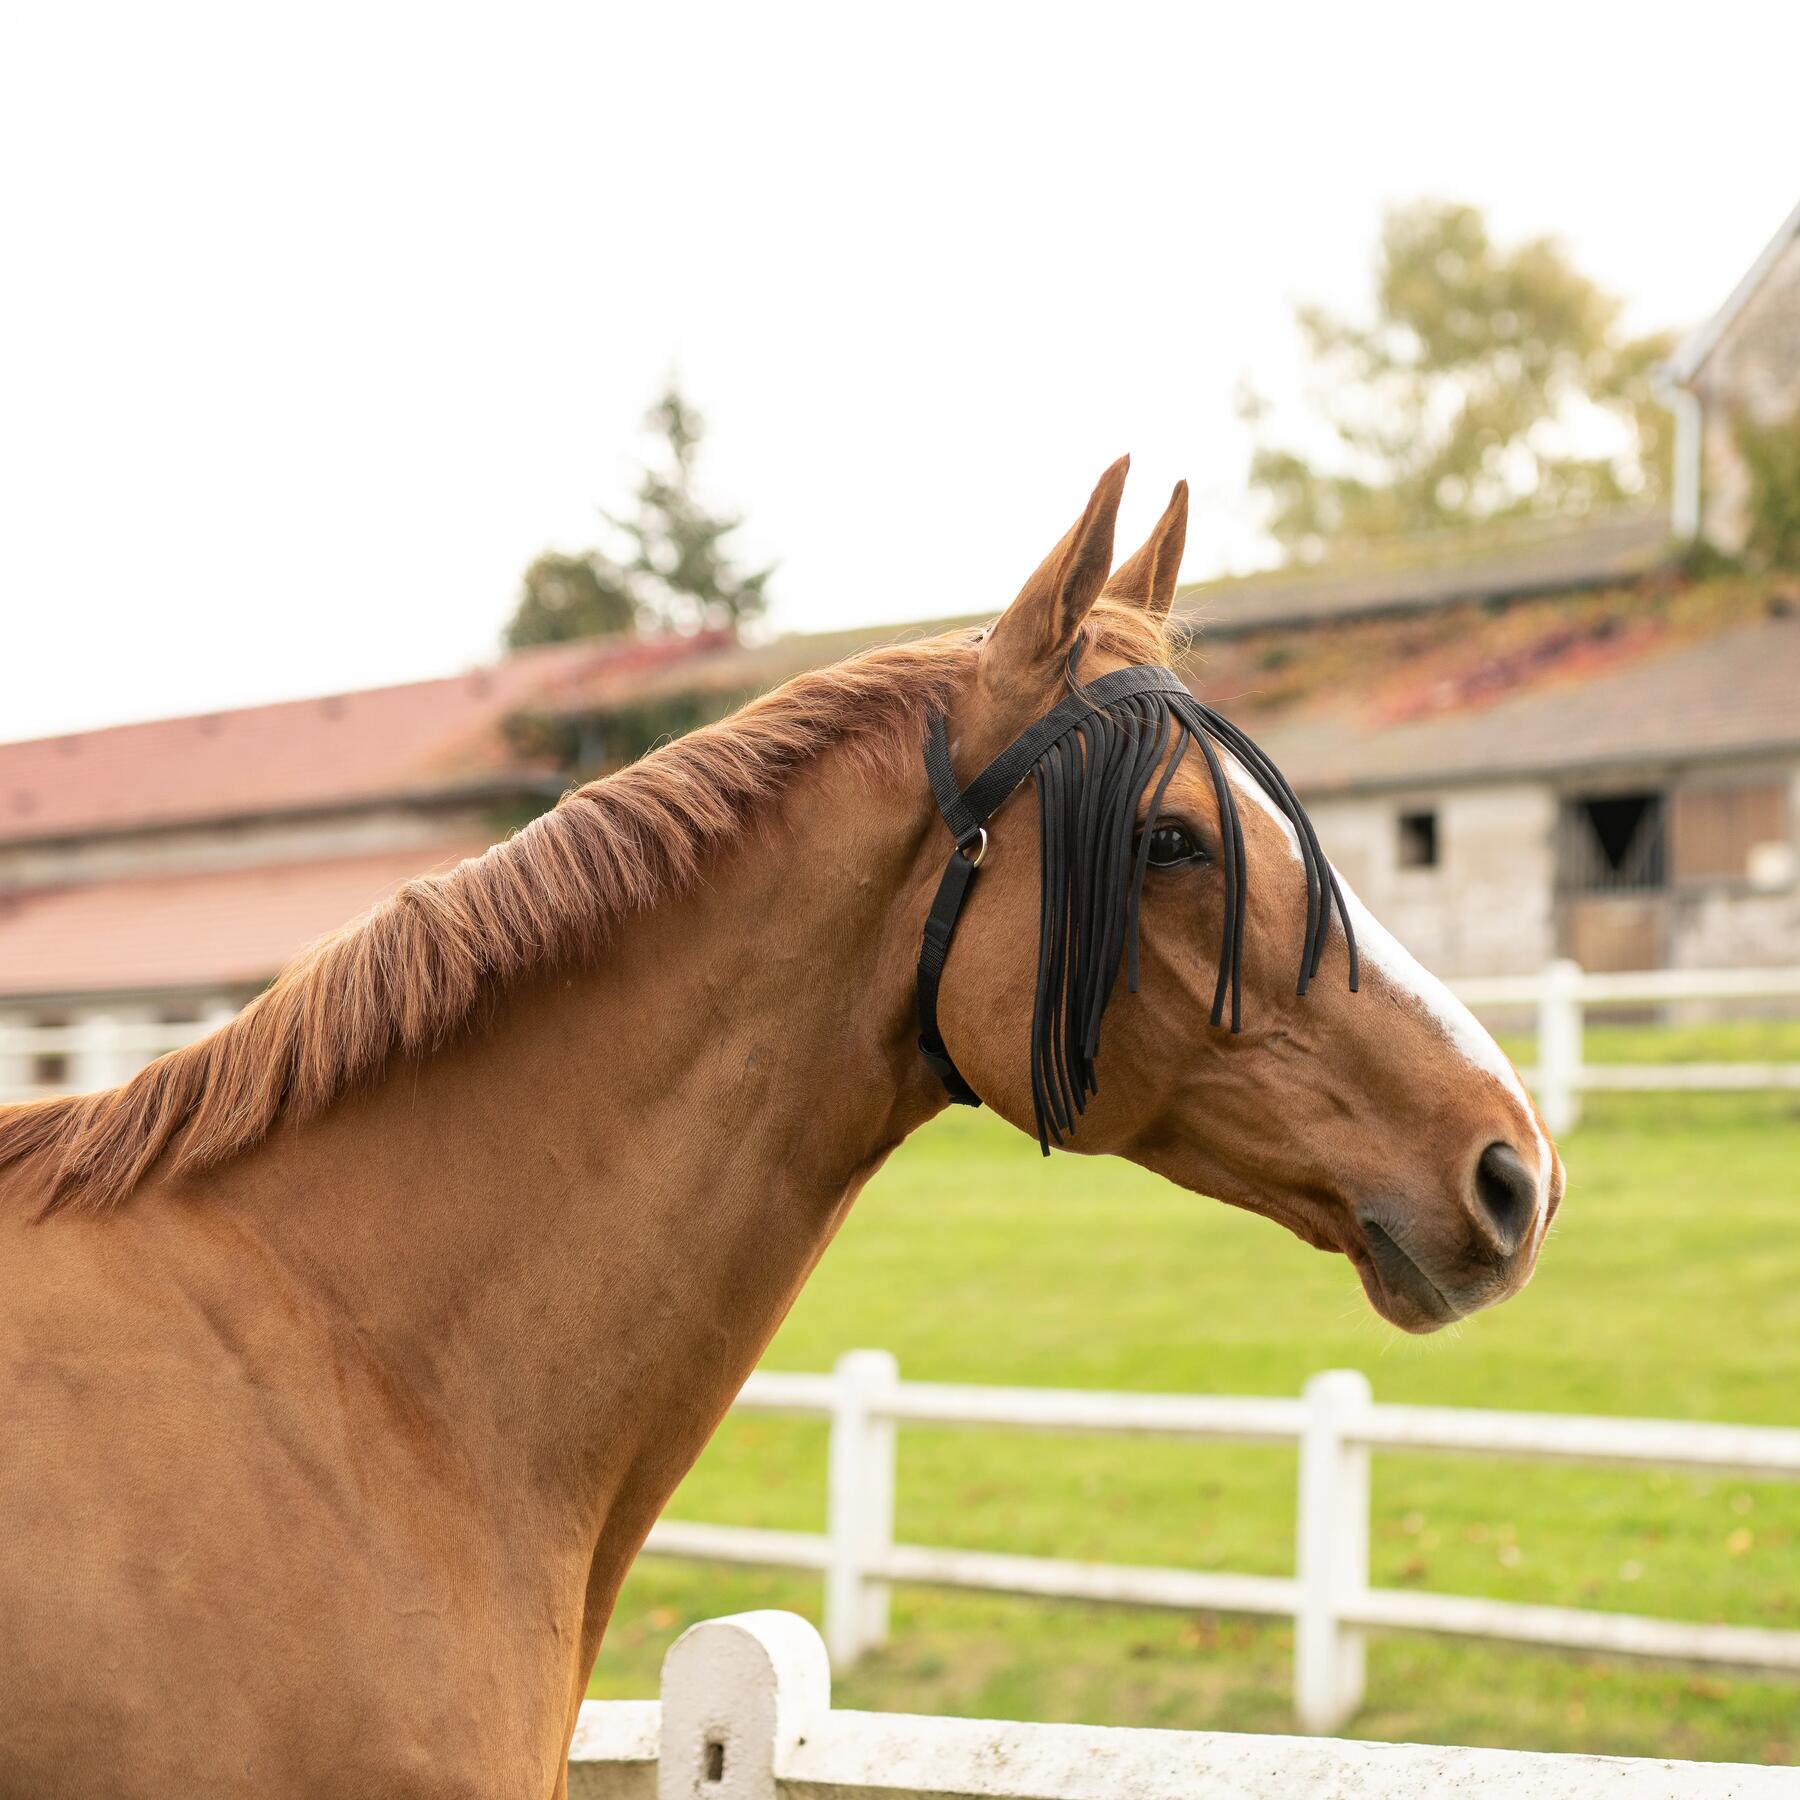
<point x="421" y="966"/>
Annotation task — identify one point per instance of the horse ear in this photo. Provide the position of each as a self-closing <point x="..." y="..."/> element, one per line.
<point x="1038" y="630"/>
<point x="1148" y="579"/>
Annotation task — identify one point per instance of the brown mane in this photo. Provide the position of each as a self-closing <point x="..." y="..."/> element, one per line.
<point x="419" y="967"/>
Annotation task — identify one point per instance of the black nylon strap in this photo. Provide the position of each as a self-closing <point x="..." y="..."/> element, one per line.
<point x="966" y="810"/>
<point x="940" y="927"/>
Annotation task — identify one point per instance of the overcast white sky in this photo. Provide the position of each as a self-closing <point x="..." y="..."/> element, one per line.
<point x="317" y="322"/>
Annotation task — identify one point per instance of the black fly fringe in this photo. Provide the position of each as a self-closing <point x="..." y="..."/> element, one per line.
<point x="1091" y="783"/>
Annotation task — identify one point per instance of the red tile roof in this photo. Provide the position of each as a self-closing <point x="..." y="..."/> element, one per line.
<point x="199" y="929"/>
<point x="423" y="738"/>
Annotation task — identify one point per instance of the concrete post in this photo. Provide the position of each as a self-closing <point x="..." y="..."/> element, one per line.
<point x="1333" y="1551"/>
<point x="859" y="1504"/>
<point x="1559" y="1046"/>
<point x="738" y="1694"/>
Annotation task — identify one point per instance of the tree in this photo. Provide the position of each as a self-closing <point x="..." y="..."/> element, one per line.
<point x="1772" y="457"/>
<point x="673" y="573"/>
<point x="679" y="569"/>
<point x="567" y="597"/>
<point x="1491" y="383"/>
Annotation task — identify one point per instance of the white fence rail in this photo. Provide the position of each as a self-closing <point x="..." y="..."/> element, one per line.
<point x="1561" y="995"/>
<point x="746" y="1714"/>
<point x="98" y="1051"/>
<point x="103" y="1049"/>
<point x="1335" y="1424"/>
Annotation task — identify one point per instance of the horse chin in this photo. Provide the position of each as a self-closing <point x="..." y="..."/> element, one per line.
<point x="1398" y="1288"/>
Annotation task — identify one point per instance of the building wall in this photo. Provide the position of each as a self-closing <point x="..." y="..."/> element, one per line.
<point x="1486" y="908"/>
<point x="49" y="1046"/>
<point x="1754" y="372"/>
<point x="1490" y="905"/>
<point x="1748" y="924"/>
<point x="236" y="846"/>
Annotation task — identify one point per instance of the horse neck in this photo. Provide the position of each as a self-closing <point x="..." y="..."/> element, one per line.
<point x="586" y="1220"/>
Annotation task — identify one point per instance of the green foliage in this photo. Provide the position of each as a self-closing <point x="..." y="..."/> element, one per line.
<point x="678" y="567"/>
<point x="1772" y="455"/>
<point x="1485" y="387"/>
<point x="673" y="571"/>
<point x="571" y="597"/>
<point x="589" y="744"/>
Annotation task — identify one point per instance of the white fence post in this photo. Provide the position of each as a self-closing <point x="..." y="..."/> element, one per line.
<point x="102" y="1059"/>
<point x="859" y="1504"/>
<point x="15" y="1059"/>
<point x="1332" y="1555"/>
<point x="217" y="1013"/>
<point x="738" y="1695"/>
<point x="1559" y="1046"/>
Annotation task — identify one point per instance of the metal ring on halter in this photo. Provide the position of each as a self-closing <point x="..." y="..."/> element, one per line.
<point x="974" y="861"/>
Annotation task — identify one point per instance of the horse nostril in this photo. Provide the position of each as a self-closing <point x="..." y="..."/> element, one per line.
<point x="1508" y="1193"/>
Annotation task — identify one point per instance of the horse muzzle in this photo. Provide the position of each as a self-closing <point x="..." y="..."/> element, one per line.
<point x="1425" y="1268"/>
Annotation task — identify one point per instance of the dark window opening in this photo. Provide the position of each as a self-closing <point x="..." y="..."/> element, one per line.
<point x="1614" y="844"/>
<point x="1418" y="840"/>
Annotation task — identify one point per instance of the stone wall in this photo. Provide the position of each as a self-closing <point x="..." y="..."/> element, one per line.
<point x="1489" y="906"/>
<point x="1486" y="908"/>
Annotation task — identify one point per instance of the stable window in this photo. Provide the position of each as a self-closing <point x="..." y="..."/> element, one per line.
<point x="1418" y="840"/>
<point x="1613" y="844"/>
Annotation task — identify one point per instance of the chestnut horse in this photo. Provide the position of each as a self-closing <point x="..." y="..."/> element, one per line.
<point x="347" y="1356"/>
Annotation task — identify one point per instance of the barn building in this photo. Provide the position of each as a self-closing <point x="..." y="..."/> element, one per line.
<point x="1610" y="772"/>
<point x="153" y="877"/>
<point x="1736" y="379"/>
<point x="1563" y="742"/>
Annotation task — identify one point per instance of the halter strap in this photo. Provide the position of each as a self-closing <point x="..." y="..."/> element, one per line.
<point x="967" y="810"/>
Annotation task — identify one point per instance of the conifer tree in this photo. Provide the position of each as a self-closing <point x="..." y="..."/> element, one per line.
<point x="673" y="571"/>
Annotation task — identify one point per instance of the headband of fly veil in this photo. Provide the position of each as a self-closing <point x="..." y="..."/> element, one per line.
<point x="1093" y="759"/>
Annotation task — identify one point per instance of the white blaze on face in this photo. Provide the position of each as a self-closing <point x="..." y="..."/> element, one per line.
<point x="1378" y="948"/>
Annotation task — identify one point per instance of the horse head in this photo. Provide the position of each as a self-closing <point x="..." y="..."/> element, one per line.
<point x="1157" y="962"/>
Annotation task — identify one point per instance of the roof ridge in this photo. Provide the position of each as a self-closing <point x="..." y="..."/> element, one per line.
<point x="569" y="650"/>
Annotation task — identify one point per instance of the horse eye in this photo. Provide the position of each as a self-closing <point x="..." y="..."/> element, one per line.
<point x="1170" y="847"/>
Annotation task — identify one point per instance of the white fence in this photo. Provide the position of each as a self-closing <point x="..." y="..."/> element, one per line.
<point x="1336" y="1426"/>
<point x="1561" y="995"/>
<point x="746" y="1714"/>
<point x="97" y="1051"/>
<point x="103" y="1049"/>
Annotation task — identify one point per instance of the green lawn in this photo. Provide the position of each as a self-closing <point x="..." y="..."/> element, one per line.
<point x="1671" y="1287"/>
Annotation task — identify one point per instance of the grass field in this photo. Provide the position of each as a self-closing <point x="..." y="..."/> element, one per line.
<point x="1671" y="1287"/>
